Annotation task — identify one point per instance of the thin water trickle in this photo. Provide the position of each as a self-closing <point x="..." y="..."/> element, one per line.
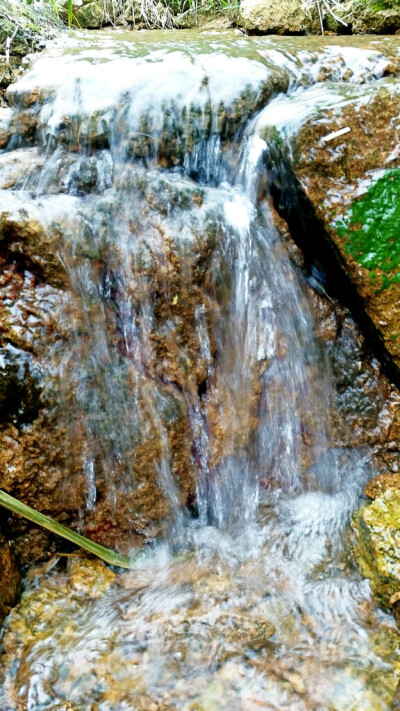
<point x="189" y="363"/>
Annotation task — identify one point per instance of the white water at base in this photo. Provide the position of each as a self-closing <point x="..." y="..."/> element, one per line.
<point x="189" y="629"/>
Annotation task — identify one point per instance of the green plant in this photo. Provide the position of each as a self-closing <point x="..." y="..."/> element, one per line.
<point x="109" y="556"/>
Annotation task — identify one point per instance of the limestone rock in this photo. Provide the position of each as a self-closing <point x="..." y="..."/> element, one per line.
<point x="275" y="17"/>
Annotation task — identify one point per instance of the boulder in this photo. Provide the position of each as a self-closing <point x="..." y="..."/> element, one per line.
<point x="370" y="17"/>
<point x="90" y="16"/>
<point x="287" y="17"/>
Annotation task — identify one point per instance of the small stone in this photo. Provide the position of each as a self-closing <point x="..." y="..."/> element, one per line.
<point x="381" y="483"/>
<point x="395" y="598"/>
<point x="90" y="577"/>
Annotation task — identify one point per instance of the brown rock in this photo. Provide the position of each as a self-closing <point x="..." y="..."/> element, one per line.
<point x="10" y="578"/>
<point x="90" y="577"/>
<point x="381" y="483"/>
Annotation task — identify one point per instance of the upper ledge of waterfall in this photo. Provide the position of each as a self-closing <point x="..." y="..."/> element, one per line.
<point x="159" y="96"/>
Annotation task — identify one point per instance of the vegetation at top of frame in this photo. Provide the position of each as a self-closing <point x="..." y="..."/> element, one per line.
<point x="372" y="230"/>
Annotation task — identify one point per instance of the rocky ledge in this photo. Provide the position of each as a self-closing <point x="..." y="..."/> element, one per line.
<point x="292" y="17"/>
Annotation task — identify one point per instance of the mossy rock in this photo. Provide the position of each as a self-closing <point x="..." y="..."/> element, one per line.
<point x="377" y="550"/>
<point x="371" y="230"/>
<point x="31" y="23"/>
<point x="90" y="16"/>
<point x="374" y="16"/>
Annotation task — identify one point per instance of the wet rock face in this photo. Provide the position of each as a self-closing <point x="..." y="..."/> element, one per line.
<point x="43" y="453"/>
<point x="351" y="181"/>
<point x="347" y="168"/>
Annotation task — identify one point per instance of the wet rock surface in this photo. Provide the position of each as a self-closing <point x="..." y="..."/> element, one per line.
<point x="344" y="172"/>
<point x="377" y="549"/>
<point x="198" y="631"/>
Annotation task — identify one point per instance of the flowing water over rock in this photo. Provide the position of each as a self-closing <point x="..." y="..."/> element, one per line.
<point x="187" y="388"/>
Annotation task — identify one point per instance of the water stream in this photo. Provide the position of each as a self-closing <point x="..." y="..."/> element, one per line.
<point x="189" y="358"/>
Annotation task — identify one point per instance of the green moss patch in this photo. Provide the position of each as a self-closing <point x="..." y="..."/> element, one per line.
<point x="371" y="232"/>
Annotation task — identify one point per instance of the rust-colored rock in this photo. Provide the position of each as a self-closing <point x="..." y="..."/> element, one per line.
<point x="10" y="578"/>
<point x="381" y="483"/>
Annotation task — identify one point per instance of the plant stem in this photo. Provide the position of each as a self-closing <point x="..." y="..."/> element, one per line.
<point x="109" y="556"/>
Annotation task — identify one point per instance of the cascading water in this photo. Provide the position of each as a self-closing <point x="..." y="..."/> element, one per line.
<point x="185" y="311"/>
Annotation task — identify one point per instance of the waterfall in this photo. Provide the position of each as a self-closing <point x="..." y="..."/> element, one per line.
<point x="129" y="152"/>
<point x="193" y="391"/>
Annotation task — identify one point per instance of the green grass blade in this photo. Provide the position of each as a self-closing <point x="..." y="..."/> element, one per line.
<point x="40" y="519"/>
<point x="70" y="13"/>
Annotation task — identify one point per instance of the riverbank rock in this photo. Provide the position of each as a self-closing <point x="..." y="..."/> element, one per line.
<point x="91" y="14"/>
<point x="27" y="26"/>
<point x="299" y="17"/>
<point x="369" y="17"/>
<point x="276" y="17"/>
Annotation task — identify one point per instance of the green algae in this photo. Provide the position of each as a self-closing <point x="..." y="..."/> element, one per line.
<point x="377" y="550"/>
<point x="372" y="228"/>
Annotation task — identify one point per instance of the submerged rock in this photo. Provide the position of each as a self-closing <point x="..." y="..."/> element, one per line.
<point x="90" y="577"/>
